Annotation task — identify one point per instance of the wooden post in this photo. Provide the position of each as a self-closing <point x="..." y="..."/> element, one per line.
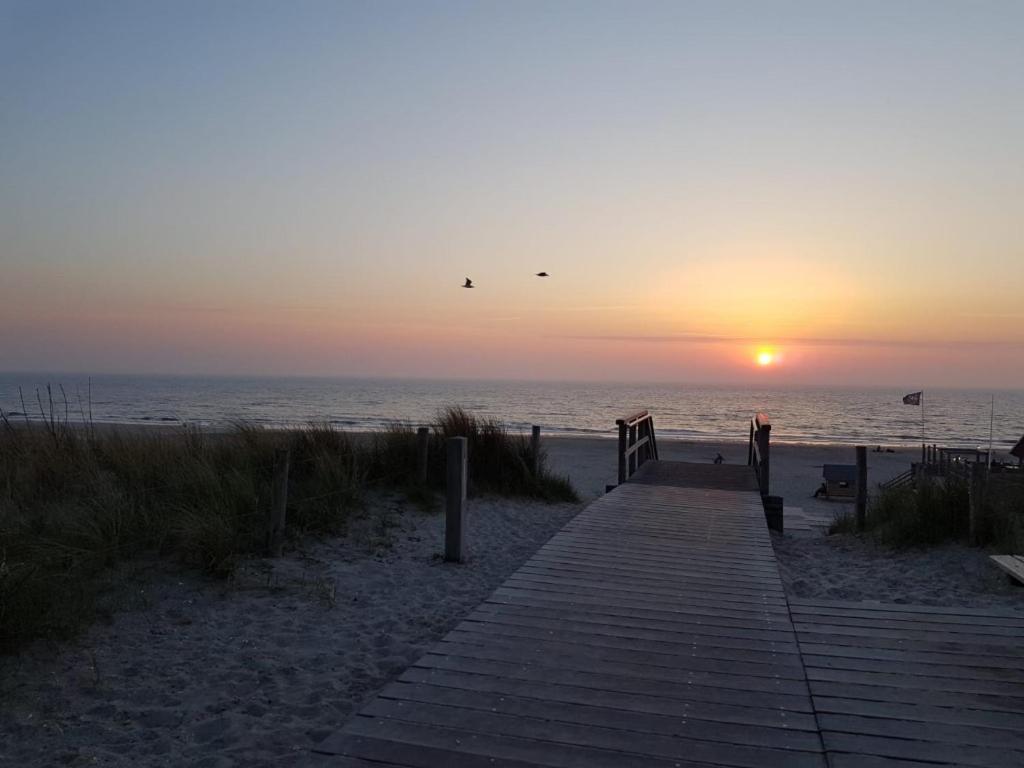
<point x="764" y="448"/>
<point x="455" y="501"/>
<point x="640" y="452"/>
<point x="422" y="451"/>
<point x="750" y="446"/>
<point x="632" y="456"/>
<point x="977" y="499"/>
<point x="862" y="487"/>
<point x="535" y="449"/>
<point x="278" y="503"/>
<point x="622" y="452"/>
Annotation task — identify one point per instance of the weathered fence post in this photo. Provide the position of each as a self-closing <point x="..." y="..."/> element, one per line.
<point x="455" y="501"/>
<point x="623" y="439"/>
<point x="764" y="452"/>
<point x="535" y="449"/>
<point x="976" y="492"/>
<point x="278" y="503"/>
<point x="862" y="487"/>
<point x="632" y="456"/>
<point x="422" y="449"/>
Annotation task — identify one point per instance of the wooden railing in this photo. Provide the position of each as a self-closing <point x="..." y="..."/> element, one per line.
<point x="899" y="481"/>
<point x="759" y="451"/>
<point x="637" y="443"/>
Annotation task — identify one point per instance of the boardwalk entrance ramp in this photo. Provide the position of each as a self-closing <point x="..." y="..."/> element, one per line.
<point x="652" y="630"/>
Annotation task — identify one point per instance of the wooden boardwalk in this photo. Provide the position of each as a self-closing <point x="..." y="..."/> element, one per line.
<point x="653" y="630"/>
<point x="898" y="683"/>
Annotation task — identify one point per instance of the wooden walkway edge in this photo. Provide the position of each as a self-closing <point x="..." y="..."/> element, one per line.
<point x="654" y="630"/>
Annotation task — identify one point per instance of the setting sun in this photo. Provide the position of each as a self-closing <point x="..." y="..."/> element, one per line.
<point x="765" y="358"/>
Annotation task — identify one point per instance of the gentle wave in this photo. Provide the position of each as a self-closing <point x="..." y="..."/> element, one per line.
<point x="694" y="412"/>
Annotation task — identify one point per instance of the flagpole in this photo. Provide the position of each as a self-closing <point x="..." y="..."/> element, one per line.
<point x="924" y="439"/>
<point x="991" y="426"/>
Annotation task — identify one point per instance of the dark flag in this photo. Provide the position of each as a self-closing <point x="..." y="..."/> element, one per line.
<point x="914" y="398"/>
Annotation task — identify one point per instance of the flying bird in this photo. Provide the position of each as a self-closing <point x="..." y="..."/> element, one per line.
<point x="468" y="284"/>
<point x="543" y="274"/>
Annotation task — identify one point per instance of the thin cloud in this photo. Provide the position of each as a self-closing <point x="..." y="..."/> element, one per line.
<point x="797" y="341"/>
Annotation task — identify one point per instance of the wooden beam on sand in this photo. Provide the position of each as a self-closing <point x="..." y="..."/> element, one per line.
<point x="862" y="487"/>
<point x="278" y="502"/>
<point x="422" y="454"/>
<point x="455" y="500"/>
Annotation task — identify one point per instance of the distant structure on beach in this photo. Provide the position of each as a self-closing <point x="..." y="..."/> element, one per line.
<point x="840" y="480"/>
<point x="1018" y="451"/>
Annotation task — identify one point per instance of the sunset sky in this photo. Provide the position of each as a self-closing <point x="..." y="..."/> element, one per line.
<point x="301" y="188"/>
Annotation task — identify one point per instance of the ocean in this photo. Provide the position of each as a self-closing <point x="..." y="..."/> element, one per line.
<point x="874" y="416"/>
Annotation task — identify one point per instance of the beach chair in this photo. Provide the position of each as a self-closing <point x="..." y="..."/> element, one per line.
<point x="840" y="481"/>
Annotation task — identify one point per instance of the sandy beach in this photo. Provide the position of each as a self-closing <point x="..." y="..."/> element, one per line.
<point x="256" y="670"/>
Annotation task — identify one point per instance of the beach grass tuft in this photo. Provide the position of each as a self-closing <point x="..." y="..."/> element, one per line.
<point x="499" y="461"/>
<point x="937" y="511"/>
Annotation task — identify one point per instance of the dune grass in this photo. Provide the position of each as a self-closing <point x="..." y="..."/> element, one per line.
<point x="75" y="502"/>
<point x="937" y="511"/>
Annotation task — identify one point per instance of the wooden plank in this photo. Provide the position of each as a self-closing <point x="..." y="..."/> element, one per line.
<point x="896" y="616"/>
<point x="923" y="634"/>
<point x="923" y="731"/>
<point x="320" y="760"/>
<point x="847" y="760"/>
<point x="920" y="682"/>
<point x="798" y="602"/>
<point x="1012" y="565"/>
<point x="928" y="669"/>
<point x="935" y="643"/>
<point x="935" y="716"/>
<point x="901" y="695"/>
<point x="910" y="749"/>
<point x="953" y="629"/>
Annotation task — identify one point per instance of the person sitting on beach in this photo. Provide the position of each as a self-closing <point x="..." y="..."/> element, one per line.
<point x="821" y="491"/>
<point x="719" y="458"/>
